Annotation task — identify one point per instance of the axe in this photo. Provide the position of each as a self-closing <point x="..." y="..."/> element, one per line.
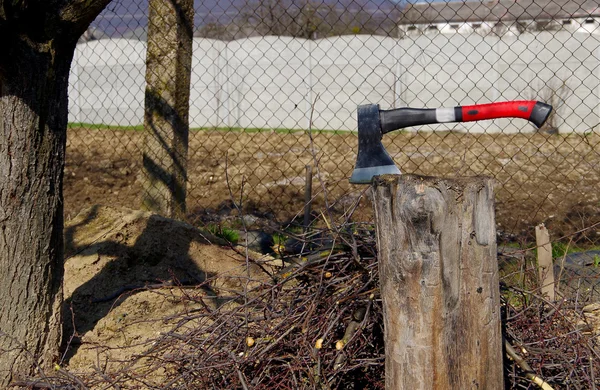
<point x="373" y="159"/>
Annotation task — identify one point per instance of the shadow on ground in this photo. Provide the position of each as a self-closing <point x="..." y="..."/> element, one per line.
<point x="112" y="255"/>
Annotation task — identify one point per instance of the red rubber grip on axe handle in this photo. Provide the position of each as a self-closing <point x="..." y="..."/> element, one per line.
<point x="515" y="109"/>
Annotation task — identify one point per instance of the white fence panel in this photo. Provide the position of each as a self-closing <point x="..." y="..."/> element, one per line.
<point x="348" y="71"/>
<point x="268" y="82"/>
<point x="110" y="77"/>
<point x="206" y="90"/>
<point x="449" y="70"/>
<point x="273" y="82"/>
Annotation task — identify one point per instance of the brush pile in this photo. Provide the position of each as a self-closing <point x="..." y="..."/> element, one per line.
<point x="316" y="322"/>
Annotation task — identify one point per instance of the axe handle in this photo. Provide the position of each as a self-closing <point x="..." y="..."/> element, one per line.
<point x="534" y="111"/>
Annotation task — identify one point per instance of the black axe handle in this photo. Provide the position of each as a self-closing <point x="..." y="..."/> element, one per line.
<point x="534" y="111"/>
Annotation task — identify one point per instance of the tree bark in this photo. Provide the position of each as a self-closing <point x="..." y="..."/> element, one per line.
<point x="33" y="114"/>
<point x="166" y="119"/>
<point x="36" y="49"/>
<point x="439" y="282"/>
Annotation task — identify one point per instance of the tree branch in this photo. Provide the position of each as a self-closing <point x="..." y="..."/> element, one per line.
<point x="80" y="13"/>
<point x="50" y="18"/>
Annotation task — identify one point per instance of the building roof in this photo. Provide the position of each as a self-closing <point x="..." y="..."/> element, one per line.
<point x="497" y="10"/>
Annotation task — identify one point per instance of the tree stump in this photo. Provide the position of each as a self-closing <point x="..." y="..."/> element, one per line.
<point x="438" y="268"/>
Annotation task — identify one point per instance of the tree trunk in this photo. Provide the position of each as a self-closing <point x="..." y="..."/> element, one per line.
<point x="168" y="72"/>
<point x="439" y="282"/>
<point x="36" y="49"/>
<point x="33" y="119"/>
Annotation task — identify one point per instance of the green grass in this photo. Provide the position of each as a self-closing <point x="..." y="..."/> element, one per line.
<point x="96" y="126"/>
<point x="560" y="249"/>
<point x="511" y="275"/>
<point x="279" y="239"/>
<point x="514" y="245"/>
<point x="228" y="234"/>
<point x="248" y="130"/>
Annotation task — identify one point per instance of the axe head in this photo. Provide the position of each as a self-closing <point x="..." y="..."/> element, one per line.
<point x="372" y="159"/>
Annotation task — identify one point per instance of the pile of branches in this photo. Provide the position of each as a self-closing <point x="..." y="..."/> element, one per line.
<point x="317" y="323"/>
<point x="553" y="344"/>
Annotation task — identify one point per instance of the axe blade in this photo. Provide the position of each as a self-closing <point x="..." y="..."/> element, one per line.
<point x="372" y="159"/>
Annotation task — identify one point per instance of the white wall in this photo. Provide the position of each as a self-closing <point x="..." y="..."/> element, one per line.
<point x="107" y="82"/>
<point x="272" y="82"/>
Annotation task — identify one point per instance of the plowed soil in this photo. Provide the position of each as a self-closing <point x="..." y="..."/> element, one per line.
<point x="553" y="179"/>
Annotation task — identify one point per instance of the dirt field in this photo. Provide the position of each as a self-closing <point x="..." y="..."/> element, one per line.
<point x="540" y="178"/>
<point x="136" y="284"/>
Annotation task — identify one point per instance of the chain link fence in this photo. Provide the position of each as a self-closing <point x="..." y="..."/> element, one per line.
<point x="275" y="85"/>
<point x="273" y="95"/>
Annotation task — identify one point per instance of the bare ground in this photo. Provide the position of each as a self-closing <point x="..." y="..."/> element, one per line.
<point x="155" y="303"/>
<point x="540" y="178"/>
<point x="130" y="277"/>
<point x="125" y="274"/>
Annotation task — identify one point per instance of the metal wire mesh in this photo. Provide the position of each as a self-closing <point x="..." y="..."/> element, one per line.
<point x="275" y="85"/>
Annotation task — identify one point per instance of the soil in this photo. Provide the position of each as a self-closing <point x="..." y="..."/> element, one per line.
<point x="554" y="179"/>
<point x="125" y="272"/>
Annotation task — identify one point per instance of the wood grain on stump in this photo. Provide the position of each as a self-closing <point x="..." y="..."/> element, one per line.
<point x="439" y="281"/>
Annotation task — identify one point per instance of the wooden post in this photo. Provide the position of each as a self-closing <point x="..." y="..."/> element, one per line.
<point x="544" y="258"/>
<point x="168" y="72"/>
<point x="436" y="240"/>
